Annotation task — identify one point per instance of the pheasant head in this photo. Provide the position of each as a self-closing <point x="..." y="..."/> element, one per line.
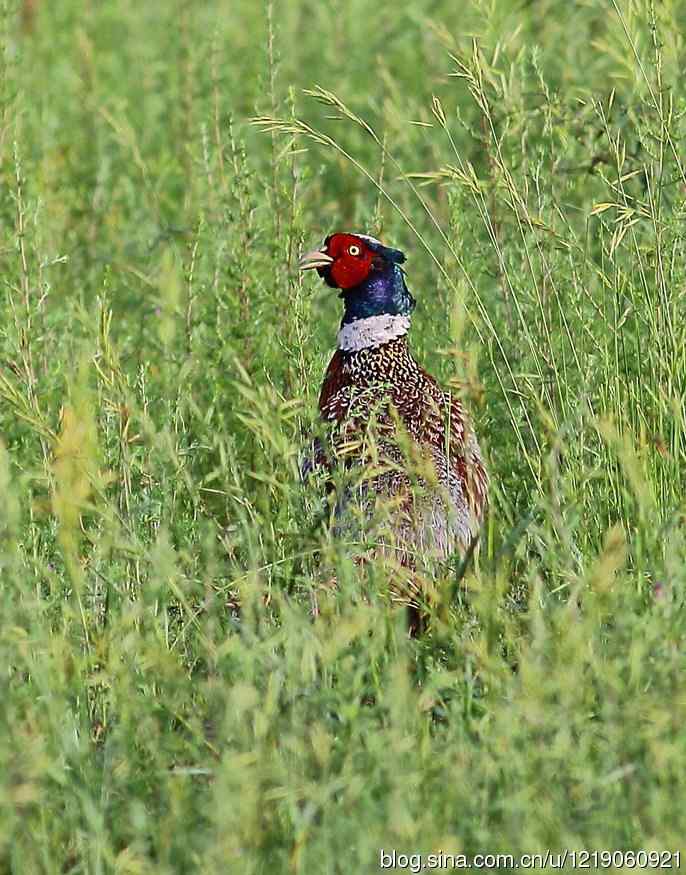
<point x="371" y="281"/>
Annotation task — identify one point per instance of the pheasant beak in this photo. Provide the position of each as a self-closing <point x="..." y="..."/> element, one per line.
<point x="313" y="259"/>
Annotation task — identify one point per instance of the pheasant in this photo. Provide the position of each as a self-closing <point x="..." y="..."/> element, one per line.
<point x="408" y="444"/>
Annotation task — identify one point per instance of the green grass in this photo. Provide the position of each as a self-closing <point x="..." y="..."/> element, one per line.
<point x="160" y="360"/>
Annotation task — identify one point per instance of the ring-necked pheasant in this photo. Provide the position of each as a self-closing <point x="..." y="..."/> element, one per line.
<point x="409" y="442"/>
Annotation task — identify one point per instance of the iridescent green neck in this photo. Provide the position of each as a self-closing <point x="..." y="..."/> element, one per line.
<point x="384" y="292"/>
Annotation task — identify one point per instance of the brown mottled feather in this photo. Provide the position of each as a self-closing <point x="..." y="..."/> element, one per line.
<point x="381" y="385"/>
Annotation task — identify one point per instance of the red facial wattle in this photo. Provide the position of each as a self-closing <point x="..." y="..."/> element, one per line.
<point x="352" y="260"/>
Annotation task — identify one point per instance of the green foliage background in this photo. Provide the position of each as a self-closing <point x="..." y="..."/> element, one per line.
<point x="159" y="365"/>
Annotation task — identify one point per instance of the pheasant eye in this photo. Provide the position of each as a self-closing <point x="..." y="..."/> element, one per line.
<point x="353" y="250"/>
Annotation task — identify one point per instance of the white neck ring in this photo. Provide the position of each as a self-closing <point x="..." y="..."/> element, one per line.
<point x="372" y="331"/>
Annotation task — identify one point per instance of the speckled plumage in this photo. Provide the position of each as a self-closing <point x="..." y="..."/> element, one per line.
<point x="415" y="443"/>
